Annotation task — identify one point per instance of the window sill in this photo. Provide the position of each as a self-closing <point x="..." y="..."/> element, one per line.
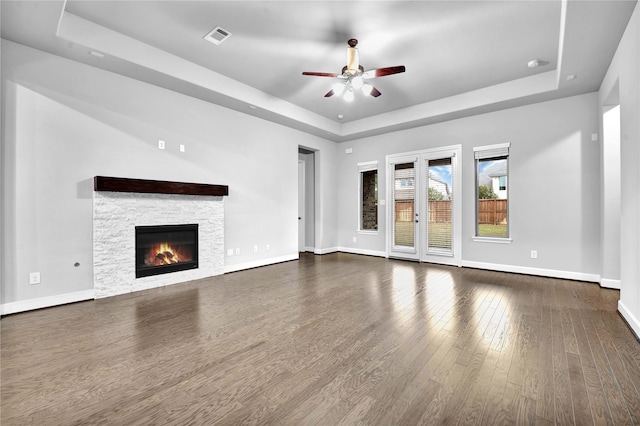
<point x="494" y="240"/>
<point x="360" y="231"/>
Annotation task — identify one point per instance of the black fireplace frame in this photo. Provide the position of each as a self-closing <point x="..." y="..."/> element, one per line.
<point x="165" y="269"/>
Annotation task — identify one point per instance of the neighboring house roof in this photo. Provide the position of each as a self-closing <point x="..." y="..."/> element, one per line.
<point x="439" y="185"/>
<point x="496" y="169"/>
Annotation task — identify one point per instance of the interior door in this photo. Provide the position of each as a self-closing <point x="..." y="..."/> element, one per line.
<point x="405" y="215"/>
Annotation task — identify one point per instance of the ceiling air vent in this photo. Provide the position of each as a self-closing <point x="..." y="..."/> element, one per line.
<point x="217" y="35"/>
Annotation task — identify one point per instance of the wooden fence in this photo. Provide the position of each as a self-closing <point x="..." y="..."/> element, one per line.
<point x="492" y="212"/>
<point x="440" y="211"/>
<point x="404" y="211"/>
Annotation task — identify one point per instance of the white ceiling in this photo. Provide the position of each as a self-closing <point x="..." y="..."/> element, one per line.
<point x="462" y="57"/>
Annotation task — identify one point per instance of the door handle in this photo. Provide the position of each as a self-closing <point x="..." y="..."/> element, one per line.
<point x="299" y="218"/>
<point x="416" y="220"/>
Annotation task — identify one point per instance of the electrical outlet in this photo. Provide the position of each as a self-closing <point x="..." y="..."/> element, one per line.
<point x="181" y="148"/>
<point x="267" y="247"/>
<point x="255" y="249"/>
<point x="34" y="278"/>
<point x="160" y="144"/>
<point x="230" y="252"/>
<point x="237" y="251"/>
<point x="354" y="239"/>
<point x="534" y="254"/>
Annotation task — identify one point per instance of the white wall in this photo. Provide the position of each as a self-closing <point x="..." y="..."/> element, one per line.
<point x="624" y="72"/>
<point x="66" y="122"/>
<point x="551" y="148"/>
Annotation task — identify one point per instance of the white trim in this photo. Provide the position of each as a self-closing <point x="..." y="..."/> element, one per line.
<point x="629" y="318"/>
<point x="367" y="166"/>
<point x="365" y="252"/>
<point x="367" y="232"/>
<point x="494" y="146"/>
<point x="258" y="263"/>
<point x="607" y="283"/>
<point x="310" y="249"/>
<point x="46" y="302"/>
<point x="553" y="273"/>
<point x="494" y="240"/>
<point x="302" y="193"/>
<point x="325" y="250"/>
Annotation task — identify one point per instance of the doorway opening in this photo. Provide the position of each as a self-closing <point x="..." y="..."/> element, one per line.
<point x="611" y="191"/>
<point x="306" y="199"/>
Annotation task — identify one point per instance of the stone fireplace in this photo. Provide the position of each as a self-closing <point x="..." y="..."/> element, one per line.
<point x="130" y="216"/>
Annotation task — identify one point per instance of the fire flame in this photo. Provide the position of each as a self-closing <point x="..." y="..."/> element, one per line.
<point x="162" y="254"/>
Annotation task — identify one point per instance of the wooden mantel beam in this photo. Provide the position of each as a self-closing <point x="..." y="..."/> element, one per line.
<point x="114" y="184"/>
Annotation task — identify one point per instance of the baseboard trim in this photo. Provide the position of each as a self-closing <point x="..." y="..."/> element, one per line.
<point x="631" y="320"/>
<point x="606" y="283"/>
<point x="365" y="252"/>
<point x="46" y="302"/>
<point x="326" y="250"/>
<point x="552" y="273"/>
<point x="259" y="263"/>
<point x="309" y="249"/>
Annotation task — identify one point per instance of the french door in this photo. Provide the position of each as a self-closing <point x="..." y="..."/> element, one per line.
<point x="424" y="206"/>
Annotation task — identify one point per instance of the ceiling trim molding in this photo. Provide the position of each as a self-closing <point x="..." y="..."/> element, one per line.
<point x="181" y="75"/>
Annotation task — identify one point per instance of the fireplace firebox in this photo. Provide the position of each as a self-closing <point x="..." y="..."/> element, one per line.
<point x="166" y="248"/>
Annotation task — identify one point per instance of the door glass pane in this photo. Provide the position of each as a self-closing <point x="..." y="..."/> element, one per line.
<point x="404" y="193"/>
<point x="440" y="205"/>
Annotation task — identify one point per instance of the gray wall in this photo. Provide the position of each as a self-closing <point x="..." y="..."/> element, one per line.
<point x="553" y="176"/>
<point x="624" y="74"/>
<point x="66" y="122"/>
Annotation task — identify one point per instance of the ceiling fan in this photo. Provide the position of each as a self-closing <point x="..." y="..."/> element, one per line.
<point x="354" y="77"/>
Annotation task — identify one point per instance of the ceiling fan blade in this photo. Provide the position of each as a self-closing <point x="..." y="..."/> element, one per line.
<point x="375" y="92"/>
<point x="320" y="74"/>
<point x="330" y="93"/>
<point x="381" y="72"/>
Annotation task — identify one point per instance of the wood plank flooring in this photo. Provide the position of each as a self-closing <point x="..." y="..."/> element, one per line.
<point x="328" y="340"/>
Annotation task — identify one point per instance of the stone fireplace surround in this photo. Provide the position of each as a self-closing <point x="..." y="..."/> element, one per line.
<point x="119" y="205"/>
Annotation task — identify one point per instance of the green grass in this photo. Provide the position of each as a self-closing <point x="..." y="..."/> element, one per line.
<point x="440" y="234"/>
<point x="404" y="234"/>
<point x="488" y="230"/>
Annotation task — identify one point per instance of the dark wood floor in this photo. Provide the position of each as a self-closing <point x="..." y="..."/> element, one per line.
<point x="334" y="339"/>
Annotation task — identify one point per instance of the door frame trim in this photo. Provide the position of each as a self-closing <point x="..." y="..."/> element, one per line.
<point x="302" y="189"/>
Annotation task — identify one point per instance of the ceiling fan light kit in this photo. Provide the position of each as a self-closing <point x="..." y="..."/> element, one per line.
<point x="353" y="76"/>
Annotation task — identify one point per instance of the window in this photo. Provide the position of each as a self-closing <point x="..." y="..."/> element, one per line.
<point x="368" y="202"/>
<point x="503" y="183"/>
<point x="492" y="200"/>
